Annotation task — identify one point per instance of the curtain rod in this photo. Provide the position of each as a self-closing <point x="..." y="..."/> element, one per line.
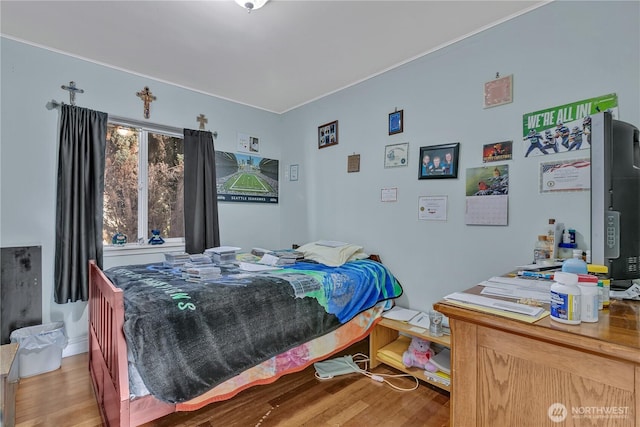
<point x="132" y="122"/>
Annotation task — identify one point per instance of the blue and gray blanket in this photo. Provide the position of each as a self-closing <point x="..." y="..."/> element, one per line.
<point x="187" y="337"/>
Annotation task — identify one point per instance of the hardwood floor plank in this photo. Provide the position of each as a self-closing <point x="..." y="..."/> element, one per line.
<point x="65" y="398"/>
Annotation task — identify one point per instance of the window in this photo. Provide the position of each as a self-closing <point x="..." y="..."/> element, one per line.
<point x="144" y="183"/>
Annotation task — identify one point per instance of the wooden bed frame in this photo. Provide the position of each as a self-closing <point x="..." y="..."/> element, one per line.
<point x="108" y="364"/>
<point x="108" y="358"/>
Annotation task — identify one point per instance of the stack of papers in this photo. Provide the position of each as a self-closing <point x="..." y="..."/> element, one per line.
<point x="412" y="317"/>
<point x="400" y="314"/>
<point x="517" y="288"/>
<point x="250" y="266"/>
<point x="497" y="306"/>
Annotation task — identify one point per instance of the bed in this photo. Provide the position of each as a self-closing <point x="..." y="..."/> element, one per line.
<point x="160" y="344"/>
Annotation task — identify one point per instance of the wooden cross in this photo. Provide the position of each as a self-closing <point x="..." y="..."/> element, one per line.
<point x="203" y="120"/>
<point x="147" y="97"/>
<point x="72" y="91"/>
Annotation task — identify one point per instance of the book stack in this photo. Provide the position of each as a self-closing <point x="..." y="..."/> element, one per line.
<point x="195" y="262"/>
<point x="202" y="273"/>
<point x="199" y="259"/>
<point x="442" y="361"/>
<point x="175" y="259"/>
<point x="278" y="257"/>
<point x="288" y="256"/>
<point x="222" y="254"/>
<point x="438" y="377"/>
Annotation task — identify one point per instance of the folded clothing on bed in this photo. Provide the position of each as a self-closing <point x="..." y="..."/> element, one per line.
<point x="188" y="337"/>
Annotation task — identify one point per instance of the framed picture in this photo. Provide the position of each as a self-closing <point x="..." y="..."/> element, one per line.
<point x="498" y="91"/>
<point x="328" y="134"/>
<point x="353" y="163"/>
<point x="396" y="155"/>
<point x="439" y="161"/>
<point x="395" y="122"/>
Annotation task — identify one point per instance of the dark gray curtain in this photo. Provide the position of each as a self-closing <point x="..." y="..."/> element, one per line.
<point x="81" y="157"/>
<point x="200" y="194"/>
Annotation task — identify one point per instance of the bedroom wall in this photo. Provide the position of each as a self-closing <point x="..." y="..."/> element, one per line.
<point x="559" y="53"/>
<point x="31" y="77"/>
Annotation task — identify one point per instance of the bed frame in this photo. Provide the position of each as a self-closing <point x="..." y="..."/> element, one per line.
<point x="108" y="364"/>
<point x="108" y="358"/>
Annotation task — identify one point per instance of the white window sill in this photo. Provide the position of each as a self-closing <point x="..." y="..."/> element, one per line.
<point x="136" y="249"/>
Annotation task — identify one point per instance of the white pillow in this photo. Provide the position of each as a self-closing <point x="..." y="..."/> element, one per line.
<point x="333" y="257"/>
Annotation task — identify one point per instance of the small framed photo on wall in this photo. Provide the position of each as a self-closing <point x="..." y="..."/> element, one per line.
<point x="396" y="122"/>
<point x="328" y="134"/>
<point x="439" y="161"/>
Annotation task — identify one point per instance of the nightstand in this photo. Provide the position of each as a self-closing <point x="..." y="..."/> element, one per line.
<point x="386" y="335"/>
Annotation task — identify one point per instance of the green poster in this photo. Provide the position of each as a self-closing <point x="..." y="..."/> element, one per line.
<point x="565" y="127"/>
<point x="549" y="118"/>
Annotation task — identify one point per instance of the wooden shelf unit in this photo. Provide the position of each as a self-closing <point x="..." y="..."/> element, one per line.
<point x="387" y="331"/>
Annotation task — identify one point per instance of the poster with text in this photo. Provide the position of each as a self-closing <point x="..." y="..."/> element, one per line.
<point x="246" y="178"/>
<point x="565" y="127"/>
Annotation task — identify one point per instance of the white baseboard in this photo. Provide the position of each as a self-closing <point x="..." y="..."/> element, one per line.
<point x="76" y="345"/>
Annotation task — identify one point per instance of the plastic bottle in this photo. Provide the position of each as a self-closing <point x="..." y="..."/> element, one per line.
<point x="565" y="298"/>
<point x="589" y="297"/>
<point x="576" y="264"/>
<point x="551" y="237"/>
<point x="604" y="283"/>
<point x="541" y="254"/>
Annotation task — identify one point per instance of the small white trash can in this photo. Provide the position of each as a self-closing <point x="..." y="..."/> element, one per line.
<point x="40" y="348"/>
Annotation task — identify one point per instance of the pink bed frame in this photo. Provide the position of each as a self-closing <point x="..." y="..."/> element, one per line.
<point x="108" y="363"/>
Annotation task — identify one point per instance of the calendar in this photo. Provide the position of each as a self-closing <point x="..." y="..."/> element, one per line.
<point x="486" y="210"/>
<point x="487" y="191"/>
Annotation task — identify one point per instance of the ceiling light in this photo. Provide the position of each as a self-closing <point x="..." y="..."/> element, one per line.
<point x="251" y="4"/>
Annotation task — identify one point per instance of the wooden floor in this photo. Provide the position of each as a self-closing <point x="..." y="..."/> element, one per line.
<point x="65" y="398"/>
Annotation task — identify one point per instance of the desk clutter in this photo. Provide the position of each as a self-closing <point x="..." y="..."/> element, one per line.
<point x="571" y="292"/>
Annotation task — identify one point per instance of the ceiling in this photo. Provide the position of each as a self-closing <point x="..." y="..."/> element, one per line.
<point x="279" y="57"/>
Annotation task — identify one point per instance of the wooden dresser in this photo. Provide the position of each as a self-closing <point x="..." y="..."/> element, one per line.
<point x="510" y="373"/>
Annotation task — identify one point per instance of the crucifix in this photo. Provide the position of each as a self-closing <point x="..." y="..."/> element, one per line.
<point x="203" y="120"/>
<point x="72" y="91"/>
<point x="147" y="97"/>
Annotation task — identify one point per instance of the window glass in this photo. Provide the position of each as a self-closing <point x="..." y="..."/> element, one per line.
<point x="120" y="210"/>
<point x="166" y="183"/>
<point x="144" y="184"/>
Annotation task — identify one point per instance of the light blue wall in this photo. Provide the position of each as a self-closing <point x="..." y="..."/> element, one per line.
<point x="560" y="53"/>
